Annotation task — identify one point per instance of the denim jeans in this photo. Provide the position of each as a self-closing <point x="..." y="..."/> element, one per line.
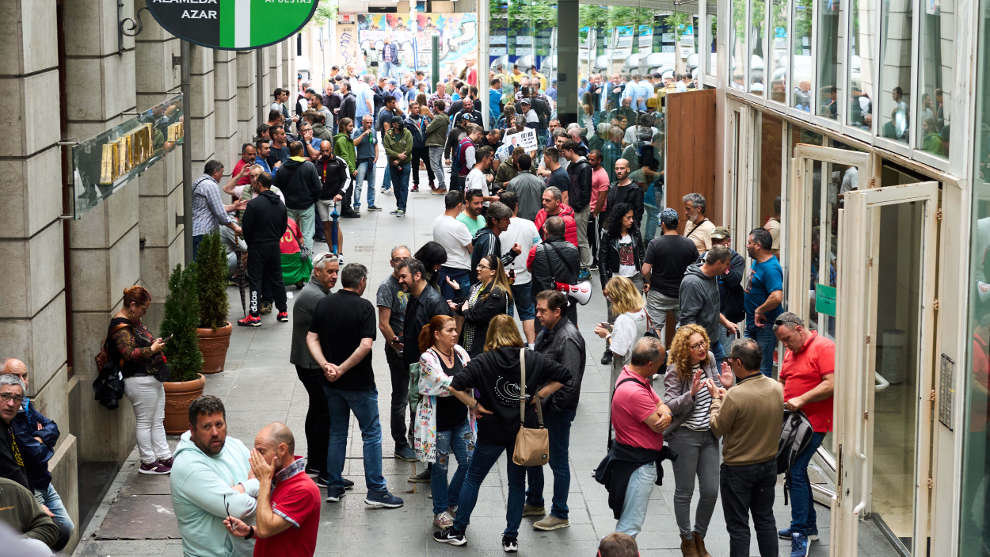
<point x="51" y="499"/>
<point x="460" y="276"/>
<point x="697" y="456"/>
<point x="485" y="456"/>
<point x="750" y="489"/>
<point x="436" y="163"/>
<point x="306" y="219"/>
<point x="803" y="516"/>
<point x="650" y="222"/>
<point x="365" y="172"/>
<point x="767" y="341"/>
<point x="450" y="441"/>
<point x="637" y="498"/>
<point x="718" y="349"/>
<point x="147" y="396"/>
<point x="364" y="404"/>
<point x="558" y="425"/>
<point x="400" y="184"/>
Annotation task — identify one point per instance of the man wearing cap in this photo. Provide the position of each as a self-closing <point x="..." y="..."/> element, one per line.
<point x="667" y="257"/>
<point x="730" y="290"/>
<point x="530" y="116"/>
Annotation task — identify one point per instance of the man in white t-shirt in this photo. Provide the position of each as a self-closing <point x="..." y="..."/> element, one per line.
<point x="478" y="178"/>
<point x="454" y="236"/>
<point x="524" y="233"/>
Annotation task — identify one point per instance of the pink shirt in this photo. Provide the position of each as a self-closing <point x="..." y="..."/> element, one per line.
<point x="631" y="404"/>
<point x="599" y="184"/>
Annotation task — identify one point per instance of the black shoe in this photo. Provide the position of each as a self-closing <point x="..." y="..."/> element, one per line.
<point x="607" y="357"/>
<point x="321" y="482"/>
<point x="334" y="495"/>
<point x="348" y="484"/>
<point x="350" y="215"/>
<point x="449" y="536"/>
<point x="510" y="544"/>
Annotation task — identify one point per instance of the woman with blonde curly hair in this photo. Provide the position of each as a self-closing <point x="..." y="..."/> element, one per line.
<point x="690" y="370"/>
<point x="630" y="322"/>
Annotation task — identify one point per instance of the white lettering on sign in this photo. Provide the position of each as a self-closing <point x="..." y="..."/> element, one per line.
<point x="199" y="14"/>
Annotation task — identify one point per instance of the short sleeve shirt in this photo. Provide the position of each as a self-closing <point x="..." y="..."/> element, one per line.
<point x="297" y="501"/>
<point x="631" y="404"/>
<point x="804" y="371"/>
<point x="473" y="224"/>
<point x="391" y="296"/>
<point x="341" y="320"/>
<point x="455" y="237"/>
<point x="700" y="234"/>
<point x="669" y="255"/>
<point x="628" y="328"/>
<point x="766" y="277"/>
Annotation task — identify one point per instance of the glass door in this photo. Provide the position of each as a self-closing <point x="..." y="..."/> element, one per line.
<point x="885" y="303"/>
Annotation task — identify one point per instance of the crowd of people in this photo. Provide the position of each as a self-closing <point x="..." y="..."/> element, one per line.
<point x="479" y="325"/>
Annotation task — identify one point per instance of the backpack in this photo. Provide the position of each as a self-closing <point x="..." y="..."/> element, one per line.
<point x="795" y="436"/>
<point x="108" y="386"/>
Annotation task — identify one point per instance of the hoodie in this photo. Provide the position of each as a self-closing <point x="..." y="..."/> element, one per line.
<point x="579" y="190"/>
<point x="343" y="147"/>
<point x="202" y="492"/>
<point x="299" y="182"/>
<point x="495" y="374"/>
<point x="265" y="219"/>
<point x="699" y="300"/>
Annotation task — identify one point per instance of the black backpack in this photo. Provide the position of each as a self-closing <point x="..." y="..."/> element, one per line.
<point x="795" y="436"/>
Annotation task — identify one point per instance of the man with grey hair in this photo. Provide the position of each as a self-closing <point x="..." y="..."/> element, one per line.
<point x="698" y="228"/>
<point x="808" y="374"/>
<point x="340" y="340"/>
<point x="324" y="277"/>
<point x="554" y="206"/>
<point x="391" y="301"/>
<point x="748" y="419"/>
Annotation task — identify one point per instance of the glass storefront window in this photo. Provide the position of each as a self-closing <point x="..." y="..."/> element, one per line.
<point x="860" y="65"/>
<point x="778" y="50"/>
<point x="895" y="69"/>
<point x="757" y="59"/>
<point x="828" y="58"/>
<point x="974" y="515"/>
<point x="737" y="46"/>
<point x="712" y="9"/>
<point x="802" y="66"/>
<point x="936" y="74"/>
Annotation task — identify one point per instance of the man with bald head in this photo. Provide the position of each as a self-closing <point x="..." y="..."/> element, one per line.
<point x="624" y="190"/>
<point x="287" y="516"/>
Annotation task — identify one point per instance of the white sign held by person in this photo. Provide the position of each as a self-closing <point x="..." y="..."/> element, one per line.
<point x="525" y="139"/>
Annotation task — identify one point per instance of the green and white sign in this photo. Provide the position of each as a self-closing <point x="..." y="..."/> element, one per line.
<point x="825" y="299"/>
<point x="232" y="24"/>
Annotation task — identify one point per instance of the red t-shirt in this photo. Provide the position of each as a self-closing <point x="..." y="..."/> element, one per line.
<point x="631" y="404"/>
<point x="599" y="184"/>
<point x="244" y="180"/>
<point x="804" y="371"/>
<point x="296" y="500"/>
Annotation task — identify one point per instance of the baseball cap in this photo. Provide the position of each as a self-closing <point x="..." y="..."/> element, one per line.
<point x="525" y="102"/>
<point x="720" y="233"/>
<point x="397" y="119"/>
<point x="668" y="217"/>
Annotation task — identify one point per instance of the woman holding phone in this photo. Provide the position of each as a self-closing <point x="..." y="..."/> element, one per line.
<point x="630" y="322"/>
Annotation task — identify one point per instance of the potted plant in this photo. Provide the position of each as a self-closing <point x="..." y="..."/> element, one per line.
<point x="213" y="328"/>
<point x="182" y="349"/>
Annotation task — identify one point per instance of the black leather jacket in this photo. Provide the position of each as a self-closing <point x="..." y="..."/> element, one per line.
<point x="554" y="260"/>
<point x="565" y="345"/>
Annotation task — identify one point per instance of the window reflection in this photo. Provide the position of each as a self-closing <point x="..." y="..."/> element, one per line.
<point x="861" y="78"/>
<point x="778" y="50"/>
<point x="737" y="45"/>
<point x="828" y="58"/>
<point x="895" y="69"/>
<point x="935" y="80"/>
<point x="802" y="67"/>
<point x="712" y="9"/>
<point x="757" y="65"/>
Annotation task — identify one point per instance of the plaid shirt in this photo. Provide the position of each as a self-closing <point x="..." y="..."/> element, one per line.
<point x="207" y="207"/>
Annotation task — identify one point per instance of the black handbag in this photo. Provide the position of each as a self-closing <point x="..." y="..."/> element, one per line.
<point x="108" y="387"/>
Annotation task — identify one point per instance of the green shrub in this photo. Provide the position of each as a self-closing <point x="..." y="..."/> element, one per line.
<point x="181" y="319"/>
<point x="211" y="268"/>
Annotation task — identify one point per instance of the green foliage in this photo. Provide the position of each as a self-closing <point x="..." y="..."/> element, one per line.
<point x="326" y="10"/>
<point x="211" y="270"/>
<point x="181" y="318"/>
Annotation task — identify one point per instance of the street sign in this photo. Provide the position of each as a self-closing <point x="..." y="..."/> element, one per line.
<point x="825" y="299"/>
<point x="232" y="24"/>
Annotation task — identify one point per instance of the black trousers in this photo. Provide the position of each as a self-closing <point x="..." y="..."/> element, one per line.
<point x="399" y="371"/>
<point x="749" y="489"/>
<point x="264" y="270"/>
<point x="456" y="182"/>
<point x="317" y="419"/>
<point x="421" y="154"/>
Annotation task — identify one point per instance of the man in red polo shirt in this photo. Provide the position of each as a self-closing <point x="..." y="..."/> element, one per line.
<point x="288" y="512"/>
<point x="639" y="417"/>
<point x="808" y="375"/>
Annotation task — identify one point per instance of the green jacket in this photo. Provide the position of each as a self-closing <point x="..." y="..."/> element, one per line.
<point x="395" y="145"/>
<point x="20" y="511"/>
<point x="343" y="147"/>
<point x="436" y="131"/>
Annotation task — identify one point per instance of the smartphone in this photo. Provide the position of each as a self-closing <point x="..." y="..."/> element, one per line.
<point x="605" y="325"/>
<point x="168" y="338"/>
<point x="226" y="505"/>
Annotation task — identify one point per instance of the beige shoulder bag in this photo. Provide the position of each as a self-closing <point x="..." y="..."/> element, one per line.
<point x="532" y="444"/>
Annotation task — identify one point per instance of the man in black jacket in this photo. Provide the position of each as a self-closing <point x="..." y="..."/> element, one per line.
<point x="553" y="261"/>
<point x="424" y="302"/>
<point x="333" y="174"/>
<point x="624" y="190"/>
<point x="348" y="102"/>
<point x="264" y="222"/>
<point x="300" y="184"/>
<point x="578" y="196"/>
<point x="486" y="241"/>
<point x="561" y="342"/>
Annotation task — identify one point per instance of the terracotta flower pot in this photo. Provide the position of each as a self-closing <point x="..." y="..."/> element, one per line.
<point x="213" y="344"/>
<point x="178" y="396"/>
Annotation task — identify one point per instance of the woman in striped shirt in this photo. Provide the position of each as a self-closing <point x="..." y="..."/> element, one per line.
<point x="691" y="369"/>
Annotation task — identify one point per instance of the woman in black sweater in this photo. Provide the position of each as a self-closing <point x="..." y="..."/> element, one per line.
<point x="490" y="296"/>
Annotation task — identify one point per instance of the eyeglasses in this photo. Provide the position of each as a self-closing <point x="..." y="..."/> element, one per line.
<point x="485" y="267"/>
<point x="11" y="397"/>
<point x="699" y="345"/>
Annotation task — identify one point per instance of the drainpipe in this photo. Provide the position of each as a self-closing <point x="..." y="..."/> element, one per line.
<point x="185" y="72"/>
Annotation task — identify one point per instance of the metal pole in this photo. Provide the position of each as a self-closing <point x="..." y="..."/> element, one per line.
<point x="185" y="72"/>
<point x="259" y="79"/>
<point x="436" y="62"/>
<point x="484" y="9"/>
